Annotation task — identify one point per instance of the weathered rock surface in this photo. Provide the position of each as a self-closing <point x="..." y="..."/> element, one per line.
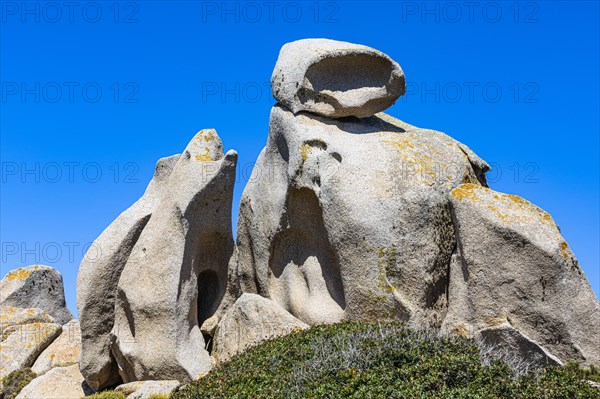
<point x="145" y="389"/>
<point x="58" y="383"/>
<point x="506" y="340"/>
<point x="99" y="273"/>
<point x="350" y="219"/>
<point x="63" y="351"/>
<point x="336" y="79"/>
<point x="36" y="286"/>
<point x="12" y="317"/>
<point x="178" y="273"/>
<point x="250" y="321"/>
<point x="512" y="263"/>
<point x="23" y="345"/>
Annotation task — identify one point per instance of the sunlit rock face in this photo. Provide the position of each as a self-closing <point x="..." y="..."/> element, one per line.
<point x="336" y="79"/>
<point x="350" y="218"/>
<point x="514" y="268"/>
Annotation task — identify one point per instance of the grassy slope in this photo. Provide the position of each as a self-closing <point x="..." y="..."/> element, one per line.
<point x="354" y="360"/>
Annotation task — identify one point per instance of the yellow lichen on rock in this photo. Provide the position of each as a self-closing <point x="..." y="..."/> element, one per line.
<point x="466" y="192"/>
<point x="509" y="208"/>
<point x="415" y="156"/>
<point x="206" y="157"/>
<point x="564" y="250"/>
<point x="18" y="274"/>
<point x="462" y="330"/>
<point x="495" y="321"/>
<point x="206" y="135"/>
<point x="542" y="215"/>
<point x="305" y="149"/>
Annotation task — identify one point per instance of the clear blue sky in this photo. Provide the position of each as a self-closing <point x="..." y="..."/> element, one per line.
<point x="93" y="93"/>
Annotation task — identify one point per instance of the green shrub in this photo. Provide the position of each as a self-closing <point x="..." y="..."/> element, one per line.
<point x="359" y="360"/>
<point x="15" y="381"/>
<point x="107" y="395"/>
<point x="158" y="396"/>
<point x="591" y="374"/>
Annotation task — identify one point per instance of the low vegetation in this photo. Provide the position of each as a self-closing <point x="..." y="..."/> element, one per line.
<point x="121" y="395"/>
<point x="358" y="360"/>
<point x="15" y="381"/>
<point x="107" y="395"/>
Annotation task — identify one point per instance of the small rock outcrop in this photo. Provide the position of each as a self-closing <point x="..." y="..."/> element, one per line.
<point x="99" y="273"/>
<point x="504" y="340"/>
<point x="180" y="269"/>
<point x="60" y="382"/>
<point x="11" y="318"/>
<point x="336" y="79"/>
<point x="63" y="351"/>
<point x="22" y="346"/>
<point x="147" y="389"/>
<point x="32" y="338"/>
<point x="250" y="321"/>
<point x="36" y="286"/>
<point x="513" y="264"/>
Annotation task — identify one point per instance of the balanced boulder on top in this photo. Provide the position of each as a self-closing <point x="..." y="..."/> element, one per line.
<point x="336" y="79"/>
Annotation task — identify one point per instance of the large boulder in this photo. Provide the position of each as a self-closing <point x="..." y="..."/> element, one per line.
<point x="350" y="218"/>
<point x="23" y="345"/>
<point x="250" y="321"/>
<point x="336" y="79"/>
<point x="99" y="273"/>
<point x="36" y="286"/>
<point x="60" y="382"/>
<point x="64" y="351"/>
<point x="512" y="264"/>
<point x="180" y="269"/>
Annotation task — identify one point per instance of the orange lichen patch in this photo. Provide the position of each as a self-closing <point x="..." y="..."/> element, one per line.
<point x="462" y="330"/>
<point x="466" y="191"/>
<point x="564" y="250"/>
<point x="525" y="210"/>
<point x="206" y="135"/>
<point x="509" y="208"/>
<point x="542" y="215"/>
<point x="206" y="157"/>
<point x="18" y="274"/>
<point x="402" y="143"/>
<point x="495" y="321"/>
<point x="417" y="156"/>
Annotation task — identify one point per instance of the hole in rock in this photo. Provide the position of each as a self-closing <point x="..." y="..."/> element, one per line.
<point x="349" y="72"/>
<point x="212" y="260"/>
<point x="209" y="295"/>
